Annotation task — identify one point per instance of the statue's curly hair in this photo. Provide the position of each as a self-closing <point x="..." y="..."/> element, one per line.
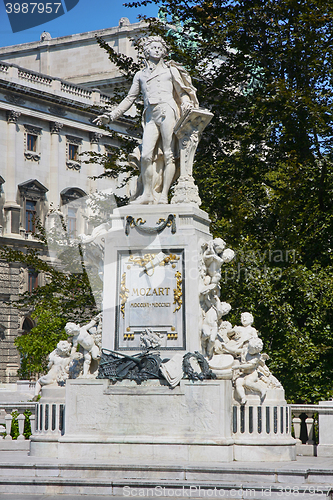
<point x="153" y="39"/>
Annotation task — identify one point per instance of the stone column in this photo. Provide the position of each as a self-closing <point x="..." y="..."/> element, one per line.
<point x="12" y="209"/>
<point x="55" y="128"/>
<point x="95" y="148"/>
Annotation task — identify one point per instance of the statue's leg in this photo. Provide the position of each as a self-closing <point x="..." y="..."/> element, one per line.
<point x="37" y="388"/>
<point x="86" y="363"/>
<point x="253" y="383"/>
<point x="167" y="126"/>
<point x="95" y="353"/>
<point x="239" y="389"/>
<point x="149" y="140"/>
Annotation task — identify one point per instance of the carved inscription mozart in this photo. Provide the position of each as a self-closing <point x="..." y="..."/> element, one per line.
<point x="150" y="294"/>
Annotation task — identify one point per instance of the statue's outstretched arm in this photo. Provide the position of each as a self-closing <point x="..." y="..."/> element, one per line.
<point x="123" y="106"/>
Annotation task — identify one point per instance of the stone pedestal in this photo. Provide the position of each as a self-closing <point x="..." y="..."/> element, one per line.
<point x="152" y="261"/>
<point x="325" y="418"/>
<point x="151" y="277"/>
<point x="262" y="430"/>
<point x="149" y="423"/>
<point x="49" y="421"/>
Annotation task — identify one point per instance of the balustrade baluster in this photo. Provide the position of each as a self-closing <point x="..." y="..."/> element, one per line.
<point x="21" y="419"/>
<point x="309" y="422"/>
<point x="8" y="421"/>
<point x="297" y="422"/>
<point x="33" y="423"/>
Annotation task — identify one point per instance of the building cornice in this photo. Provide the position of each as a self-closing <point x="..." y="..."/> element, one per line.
<point x="23" y="81"/>
<point x="57" y="95"/>
<point x="80" y="38"/>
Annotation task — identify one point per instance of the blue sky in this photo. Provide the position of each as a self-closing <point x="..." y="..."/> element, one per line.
<point x="87" y="15"/>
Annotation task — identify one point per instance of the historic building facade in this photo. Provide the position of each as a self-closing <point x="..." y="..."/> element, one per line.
<point x="50" y="91"/>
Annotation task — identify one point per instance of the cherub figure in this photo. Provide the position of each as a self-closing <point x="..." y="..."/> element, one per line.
<point x="214" y="255"/>
<point x="58" y="366"/>
<point x="82" y="337"/>
<point x="210" y="325"/>
<point x="248" y="368"/>
<point x="240" y="335"/>
<point x="225" y="328"/>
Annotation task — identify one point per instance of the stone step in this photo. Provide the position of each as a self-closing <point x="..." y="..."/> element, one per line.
<point x="308" y="478"/>
<point x="62" y="487"/>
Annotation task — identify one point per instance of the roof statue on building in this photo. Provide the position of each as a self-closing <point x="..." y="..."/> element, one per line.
<point x="169" y="97"/>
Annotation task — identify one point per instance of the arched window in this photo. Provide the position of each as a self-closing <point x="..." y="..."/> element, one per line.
<point x="27" y="325"/>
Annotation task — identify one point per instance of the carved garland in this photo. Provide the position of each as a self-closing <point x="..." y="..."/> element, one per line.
<point x="72" y="165"/>
<point x="170" y="221"/>
<point x="14" y="99"/>
<point x="32" y="156"/>
<point x="205" y="373"/>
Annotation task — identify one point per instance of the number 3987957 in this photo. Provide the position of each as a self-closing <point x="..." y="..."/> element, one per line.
<point x="30" y="8"/>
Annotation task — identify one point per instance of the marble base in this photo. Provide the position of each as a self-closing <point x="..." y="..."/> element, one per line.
<point x="154" y="424"/>
<point x="151" y="422"/>
<point x="262" y="429"/>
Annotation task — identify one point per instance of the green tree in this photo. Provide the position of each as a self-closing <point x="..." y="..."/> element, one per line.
<point x="264" y="166"/>
<point x="66" y="295"/>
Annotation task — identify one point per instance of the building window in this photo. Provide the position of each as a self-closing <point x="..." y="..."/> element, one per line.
<point x="30" y="216"/>
<point x="73" y="161"/>
<point x="32" y="280"/>
<point x="71" y="222"/>
<point x="28" y="325"/>
<point x="73" y="152"/>
<point x="32" y="194"/>
<point x="32" y="143"/>
<point x="2" y="332"/>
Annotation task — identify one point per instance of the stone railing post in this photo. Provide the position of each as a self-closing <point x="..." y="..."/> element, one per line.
<point x="309" y="422"/>
<point x="32" y="419"/>
<point x="8" y="421"/>
<point x="297" y="422"/>
<point x="21" y="419"/>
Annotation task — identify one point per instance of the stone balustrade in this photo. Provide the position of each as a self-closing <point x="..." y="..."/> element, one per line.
<point x="261" y="420"/>
<point x="50" y="419"/>
<point x="33" y="79"/>
<point x="310" y="424"/>
<point x="8" y="413"/>
<point x="4" y="67"/>
<point x="306" y="417"/>
<point x="74" y="89"/>
<point x="105" y="99"/>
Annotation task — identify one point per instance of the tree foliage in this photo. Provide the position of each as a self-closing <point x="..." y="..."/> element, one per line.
<point x="65" y="296"/>
<point x="264" y="166"/>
